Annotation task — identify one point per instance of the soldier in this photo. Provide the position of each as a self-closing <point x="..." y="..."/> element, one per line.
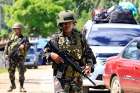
<point x="16" y="59"/>
<point x="69" y="80"/>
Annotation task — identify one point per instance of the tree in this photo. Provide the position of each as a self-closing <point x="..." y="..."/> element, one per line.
<point x="38" y="16"/>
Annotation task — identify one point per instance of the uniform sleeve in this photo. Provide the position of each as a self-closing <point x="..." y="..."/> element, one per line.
<point x="6" y="49"/>
<point x="90" y="58"/>
<point x="7" y="45"/>
<point x="47" y="50"/>
<point x="27" y="43"/>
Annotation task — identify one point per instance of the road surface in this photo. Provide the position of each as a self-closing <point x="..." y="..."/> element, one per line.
<point x="37" y="81"/>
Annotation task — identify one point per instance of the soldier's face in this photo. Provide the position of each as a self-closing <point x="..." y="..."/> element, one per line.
<point x="67" y="27"/>
<point x="17" y="31"/>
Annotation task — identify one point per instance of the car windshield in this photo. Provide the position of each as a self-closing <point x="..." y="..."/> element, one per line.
<point x="111" y="36"/>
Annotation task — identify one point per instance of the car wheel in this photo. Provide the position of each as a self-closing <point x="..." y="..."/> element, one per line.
<point x="115" y="86"/>
<point x="35" y="67"/>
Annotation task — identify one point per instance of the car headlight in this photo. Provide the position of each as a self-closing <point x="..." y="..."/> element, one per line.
<point x="100" y="61"/>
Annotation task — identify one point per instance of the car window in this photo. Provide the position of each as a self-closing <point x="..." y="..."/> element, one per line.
<point x="31" y="51"/>
<point x="131" y="51"/>
<point x="111" y="36"/>
<point x="39" y="49"/>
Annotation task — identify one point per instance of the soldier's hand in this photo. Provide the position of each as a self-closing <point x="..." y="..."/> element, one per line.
<point x="6" y="57"/>
<point x="56" y="58"/>
<point x="21" y="46"/>
<point x="87" y="70"/>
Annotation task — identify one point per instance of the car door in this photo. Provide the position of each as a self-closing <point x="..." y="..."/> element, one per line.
<point x="137" y="76"/>
<point x="125" y="72"/>
<point x="128" y="61"/>
<point x="137" y="71"/>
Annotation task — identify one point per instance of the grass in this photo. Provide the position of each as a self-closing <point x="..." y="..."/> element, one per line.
<point x="2" y="70"/>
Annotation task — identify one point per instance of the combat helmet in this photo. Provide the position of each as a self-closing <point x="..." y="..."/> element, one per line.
<point x="17" y="25"/>
<point x="66" y="16"/>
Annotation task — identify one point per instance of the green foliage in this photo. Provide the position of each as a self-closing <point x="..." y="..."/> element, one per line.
<point x="81" y="21"/>
<point x="137" y="3"/>
<point x="39" y="16"/>
<point x="3" y="33"/>
<point x="2" y="70"/>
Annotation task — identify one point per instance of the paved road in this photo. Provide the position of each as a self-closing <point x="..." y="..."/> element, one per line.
<point x="37" y="81"/>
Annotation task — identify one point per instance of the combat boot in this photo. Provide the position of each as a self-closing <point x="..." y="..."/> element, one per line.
<point x="22" y="89"/>
<point x="11" y="88"/>
<point x="21" y="86"/>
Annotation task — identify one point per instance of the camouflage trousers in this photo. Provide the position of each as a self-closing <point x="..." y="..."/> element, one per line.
<point x="12" y="69"/>
<point x="72" y="86"/>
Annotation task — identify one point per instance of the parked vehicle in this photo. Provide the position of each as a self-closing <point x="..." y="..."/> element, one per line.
<point x="107" y="40"/>
<point x="40" y="47"/>
<point x="31" y="59"/>
<point x="122" y="72"/>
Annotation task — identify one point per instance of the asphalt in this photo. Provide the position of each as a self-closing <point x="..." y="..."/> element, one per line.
<point x="37" y="81"/>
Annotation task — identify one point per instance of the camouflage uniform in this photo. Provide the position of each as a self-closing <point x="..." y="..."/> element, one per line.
<point x="18" y="61"/>
<point x="77" y="47"/>
<point x="66" y="78"/>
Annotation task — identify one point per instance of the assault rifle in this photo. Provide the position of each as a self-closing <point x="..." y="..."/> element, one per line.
<point x="14" y="54"/>
<point x="67" y="59"/>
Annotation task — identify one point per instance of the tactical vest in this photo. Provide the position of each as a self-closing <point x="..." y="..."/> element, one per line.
<point x="14" y="40"/>
<point x="72" y="44"/>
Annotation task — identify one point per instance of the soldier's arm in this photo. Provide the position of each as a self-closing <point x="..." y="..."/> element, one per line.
<point x="90" y="58"/>
<point x="47" y="52"/>
<point x="7" y="45"/>
<point x="27" y="44"/>
<point x="50" y="55"/>
<point x="6" y="49"/>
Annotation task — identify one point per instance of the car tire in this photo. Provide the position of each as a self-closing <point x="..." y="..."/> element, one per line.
<point x="35" y="67"/>
<point x="115" y="86"/>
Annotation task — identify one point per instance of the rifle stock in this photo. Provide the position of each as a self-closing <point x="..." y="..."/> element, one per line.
<point x="69" y="60"/>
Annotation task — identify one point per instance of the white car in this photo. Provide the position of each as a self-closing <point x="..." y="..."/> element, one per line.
<point x="106" y="40"/>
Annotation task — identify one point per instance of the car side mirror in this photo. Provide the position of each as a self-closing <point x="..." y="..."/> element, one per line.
<point x="138" y="45"/>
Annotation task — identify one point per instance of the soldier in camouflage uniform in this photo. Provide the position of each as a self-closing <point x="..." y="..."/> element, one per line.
<point x="14" y="38"/>
<point x="69" y="80"/>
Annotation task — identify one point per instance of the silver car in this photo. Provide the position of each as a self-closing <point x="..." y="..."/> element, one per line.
<point x="107" y="40"/>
